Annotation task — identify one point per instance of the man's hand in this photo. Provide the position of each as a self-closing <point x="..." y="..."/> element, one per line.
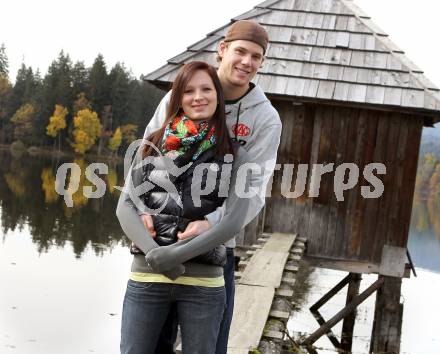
<point x="147" y="220"/>
<point x="194" y="228"/>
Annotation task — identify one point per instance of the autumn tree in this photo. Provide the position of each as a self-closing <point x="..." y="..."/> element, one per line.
<point x="128" y="134"/>
<point x="115" y="141"/>
<point x="23" y="122"/>
<point x="57" y="122"/>
<point x="48" y="181"/>
<point x="87" y="130"/>
<point x="5" y="93"/>
<point x="81" y="103"/>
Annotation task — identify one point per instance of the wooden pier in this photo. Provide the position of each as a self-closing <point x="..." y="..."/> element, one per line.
<point x="263" y="293"/>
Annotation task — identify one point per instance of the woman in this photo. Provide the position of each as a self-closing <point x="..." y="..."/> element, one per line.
<point x="193" y="141"/>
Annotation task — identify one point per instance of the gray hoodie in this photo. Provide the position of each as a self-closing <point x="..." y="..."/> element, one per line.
<point x="256" y="125"/>
<point x="258" y="130"/>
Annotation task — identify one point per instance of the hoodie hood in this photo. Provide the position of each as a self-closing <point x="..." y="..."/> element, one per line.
<point x="253" y="98"/>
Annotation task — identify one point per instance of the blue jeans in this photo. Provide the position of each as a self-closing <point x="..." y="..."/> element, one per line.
<point x="228" y="273"/>
<point x="169" y="331"/>
<point x="146" y="307"/>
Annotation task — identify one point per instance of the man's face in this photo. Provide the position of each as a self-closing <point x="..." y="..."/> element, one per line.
<point x="240" y="61"/>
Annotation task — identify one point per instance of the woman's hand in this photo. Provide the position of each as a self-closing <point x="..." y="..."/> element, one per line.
<point x="194" y="228"/>
<point x="147" y="220"/>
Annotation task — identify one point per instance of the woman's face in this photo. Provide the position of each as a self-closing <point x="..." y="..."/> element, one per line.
<point x="199" y="100"/>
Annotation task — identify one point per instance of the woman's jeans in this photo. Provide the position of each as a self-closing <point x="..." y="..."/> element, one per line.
<point x="146" y="306"/>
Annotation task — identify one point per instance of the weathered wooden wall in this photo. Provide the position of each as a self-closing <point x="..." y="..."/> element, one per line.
<point x="357" y="228"/>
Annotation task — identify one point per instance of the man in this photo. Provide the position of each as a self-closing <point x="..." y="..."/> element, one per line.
<point x="254" y="124"/>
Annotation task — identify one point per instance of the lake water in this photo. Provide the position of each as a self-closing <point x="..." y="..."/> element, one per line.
<point x="63" y="271"/>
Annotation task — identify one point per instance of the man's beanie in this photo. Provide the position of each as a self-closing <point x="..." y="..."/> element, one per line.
<point x="249" y="31"/>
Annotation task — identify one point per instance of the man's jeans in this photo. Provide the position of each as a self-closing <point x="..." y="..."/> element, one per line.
<point x="146" y="307"/>
<point x="228" y="273"/>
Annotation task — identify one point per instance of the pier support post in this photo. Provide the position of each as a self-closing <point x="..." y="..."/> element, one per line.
<point x="387" y="325"/>
<point x="350" y="319"/>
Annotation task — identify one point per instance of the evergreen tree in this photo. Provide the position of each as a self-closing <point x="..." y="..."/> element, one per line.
<point x="58" y="83"/>
<point x="18" y="93"/>
<point x="4" y="65"/>
<point x="119" y="93"/>
<point x="99" y="90"/>
<point x="143" y="100"/>
<point x="80" y="78"/>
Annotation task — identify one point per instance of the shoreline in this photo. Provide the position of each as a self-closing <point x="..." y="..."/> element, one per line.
<point x="38" y="151"/>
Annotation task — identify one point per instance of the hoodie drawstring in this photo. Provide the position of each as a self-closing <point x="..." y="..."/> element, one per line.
<point x="236" y="123"/>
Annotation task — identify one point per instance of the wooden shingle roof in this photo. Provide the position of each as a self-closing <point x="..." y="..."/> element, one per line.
<point x="324" y="50"/>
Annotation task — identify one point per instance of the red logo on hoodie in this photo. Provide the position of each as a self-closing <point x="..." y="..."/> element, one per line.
<point x="241" y="130"/>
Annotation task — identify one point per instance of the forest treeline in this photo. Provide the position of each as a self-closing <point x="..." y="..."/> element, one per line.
<point x="74" y="107"/>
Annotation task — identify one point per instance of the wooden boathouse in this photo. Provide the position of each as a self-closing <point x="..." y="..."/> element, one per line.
<point x="346" y="94"/>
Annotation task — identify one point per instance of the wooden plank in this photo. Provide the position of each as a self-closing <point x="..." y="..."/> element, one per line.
<point x="251" y="309"/>
<point x="343" y="265"/>
<point x="393" y="63"/>
<point x="278" y="85"/>
<point x="284" y="293"/>
<point x="279" y="242"/>
<point x="375" y="94"/>
<point x="294" y="257"/>
<point x="274" y="334"/>
<point x="279" y="314"/>
<point x="318" y="54"/>
<point x="413" y="98"/>
<point x="345" y="154"/>
<point x="310" y="88"/>
<point x="321" y="71"/>
<point x="303" y="203"/>
<point x="335" y="156"/>
<point x="264" y="261"/>
<point x="341" y="23"/>
<point x="376" y="60"/>
<point x="289" y="280"/>
<point x="350" y="74"/>
<point x="329" y="22"/>
<point x="393" y="96"/>
<point x="373" y="208"/>
<point x="326" y="89"/>
<point x="389" y="181"/>
<point x="333" y="56"/>
<point x="367" y="156"/>
<point x="341" y="91"/>
<point x="364" y="76"/>
<point x="357" y="93"/>
<point x="393" y="261"/>
<point x="415" y="126"/>
<point x="237" y="351"/>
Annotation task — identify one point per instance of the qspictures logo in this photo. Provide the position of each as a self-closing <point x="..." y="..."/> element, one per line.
<point x="205" y="176"/>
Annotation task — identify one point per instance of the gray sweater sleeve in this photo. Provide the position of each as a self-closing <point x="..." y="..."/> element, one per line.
<point x="237" y="211"/>
<point x="127" y="213"/>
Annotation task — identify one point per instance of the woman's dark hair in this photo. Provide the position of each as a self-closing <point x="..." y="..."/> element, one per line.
<point x="223" y="145"/>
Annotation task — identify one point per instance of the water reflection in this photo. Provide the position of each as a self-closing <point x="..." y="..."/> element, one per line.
<point x="424" y="238"/>
<point x="28" y="197"/>
<point x="419" y="327"/>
